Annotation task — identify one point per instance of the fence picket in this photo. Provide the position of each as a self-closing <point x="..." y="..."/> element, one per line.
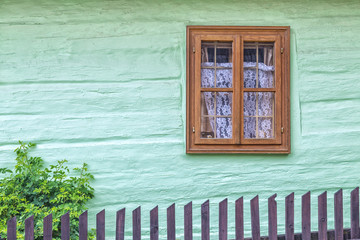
<point x="339" y="233"/>
<point x="272" y="217"/>
<point x="48" y="227"/>
<point x="120" y="224"/>
<point x="11" y="229"/>
<point x="100" y="225"/>
<point x="171" y="233"/>
<point x="188" y="234"/>
<point x="355" y="213"/>
<point x="83" y="226"/>
<point x="136" y="214"/>
<point x="65" y="226"/>
<point x="338" y="215"/>
<point x="289" y="217"/>
<point x="322" y="216"/>
<point x="306" y="216"/>
<point x="239" y="219"/>
<point x="29" y="228"/>
<point x="255" y="219"/>
<point x="223" y="212"/>
<point x="205" y="221"/>
<point x="154" y="224"/>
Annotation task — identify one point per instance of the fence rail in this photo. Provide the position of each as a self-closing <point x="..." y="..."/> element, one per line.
<point x="339" y="233"/>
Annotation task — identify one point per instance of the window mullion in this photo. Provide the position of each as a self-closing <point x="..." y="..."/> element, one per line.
<point x="241" y="90"/>
<point x="197" y="95"/>
<point x="278" y="92"/>
<point x="237" y="103"/>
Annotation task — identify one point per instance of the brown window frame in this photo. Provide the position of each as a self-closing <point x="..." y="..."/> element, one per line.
<point x="280" y="36"/>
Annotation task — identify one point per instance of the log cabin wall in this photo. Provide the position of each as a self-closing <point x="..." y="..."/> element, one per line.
<point x="104" y="82"/>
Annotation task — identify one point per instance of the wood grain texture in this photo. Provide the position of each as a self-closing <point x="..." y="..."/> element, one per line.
<point x="289" y="217"/>
<point x="239" y="219"/>
<point x="171" y="228"/>
<point x="339" y="233"/>
<point x="29" y="228"/>
<point x="120" y="224"/>
<point x="136" y="221"/>
<point x="223" y="219"/>
<point x="272" y="217"/>
<point x="154" y="224"/>
<point x="338" y="215"/>
<point x="100" y="225"/>
<point x="83" y="226"/>
<point x="322" y="216"/>
<point x="354" y="211"/>
<point x="65" y="226"/>
<point x="255" y="218"/>
<point x="188" y="234"/>
<point x="280" y="142"/>
<point x="11" y="229"/>
<point x="47" y="229"/>
<point x="306" y="216"/>
<point x="205" y="221"/>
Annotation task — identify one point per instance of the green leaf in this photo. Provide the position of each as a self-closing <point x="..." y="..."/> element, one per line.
<point x="32" y="189"/>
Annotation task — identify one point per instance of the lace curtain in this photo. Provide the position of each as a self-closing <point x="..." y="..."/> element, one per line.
<point x="224" y="99"/>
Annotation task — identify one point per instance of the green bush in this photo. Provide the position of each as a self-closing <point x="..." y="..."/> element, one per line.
<point x="31" y="189"/>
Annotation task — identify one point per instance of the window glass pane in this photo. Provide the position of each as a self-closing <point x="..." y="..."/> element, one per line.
<point x="207" y="53"/>
<point x="223" y="103"/>
<point x="267" y="54"/>
<point x="249" y="127"/>
<point x="266" y="66"/>
<point x="207" y="114"/>
<point x="249" y="54"/>
<point x="223" y="127"/>
<point x="224" y="78"/>
<point x="258" y="65"/>
<point x="249" y="104"/>
<point x="224" y="65"/>
<point x="260" y="54"/>
<point x="265" y="127"/>
<point x="258" y="114"/>
<point x="216" y="114"/>
<point x="223" y="54"/>
<point x="207" y="126"/>
<point x="207" y="78"/>
<point x="266" y="103"/>
<point x="207" y="65"/>
<point x="216" y="64"/>
<point x="249" y="77"/>
<point x="207" y="103"/>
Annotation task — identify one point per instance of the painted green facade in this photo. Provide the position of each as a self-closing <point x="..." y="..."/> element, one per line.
<point x="104" y="82"/>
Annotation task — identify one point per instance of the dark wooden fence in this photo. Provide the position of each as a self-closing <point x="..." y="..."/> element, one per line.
<point x="338" y="233"/>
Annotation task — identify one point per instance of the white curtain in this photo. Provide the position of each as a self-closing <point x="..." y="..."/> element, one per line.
<point x="224" y="99"/>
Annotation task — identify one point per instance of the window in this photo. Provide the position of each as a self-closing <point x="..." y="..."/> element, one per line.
<point x="238" y="89"/>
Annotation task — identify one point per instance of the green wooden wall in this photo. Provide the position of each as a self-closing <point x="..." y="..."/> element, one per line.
<point x="104" y="82"/>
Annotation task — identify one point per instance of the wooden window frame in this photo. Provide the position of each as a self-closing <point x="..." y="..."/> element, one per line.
<point x="280" y="36"/>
